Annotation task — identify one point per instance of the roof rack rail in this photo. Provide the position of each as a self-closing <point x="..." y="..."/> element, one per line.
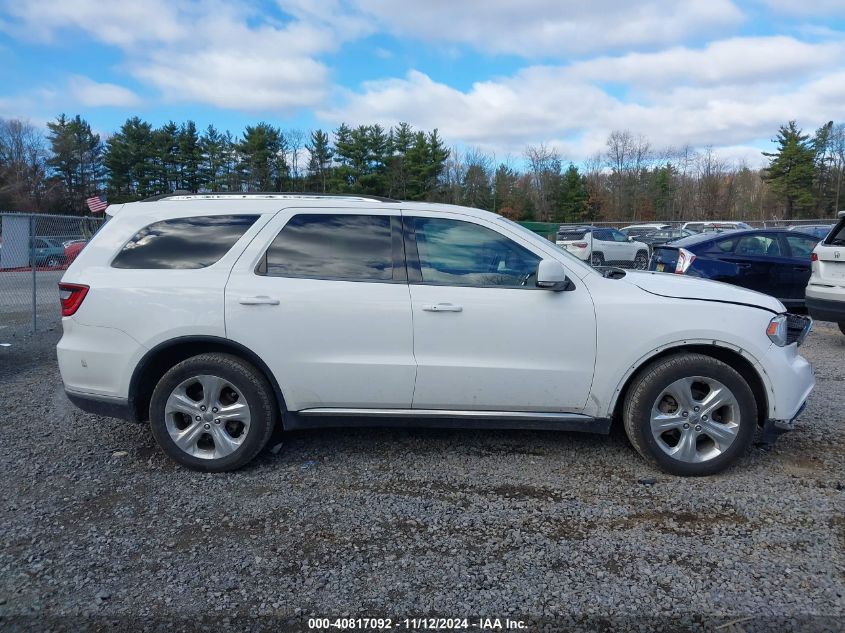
<point x="300" y="194"/>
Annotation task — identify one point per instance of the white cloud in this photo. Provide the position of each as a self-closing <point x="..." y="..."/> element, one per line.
<point x="87" y="92"/>
<point x="741" y="59"/>
<point x="227" y="54"/>
<point x="552" y="28"/>
<point x="728" y="94"/>
<point x="118" y="23"/>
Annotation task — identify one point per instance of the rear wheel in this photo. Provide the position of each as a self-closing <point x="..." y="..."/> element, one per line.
<point x="641" y="260"/>
<point x="212" y="412"/>
<point x="842" y="326"/>
<point x="690" y="414"/>
<point x="597" y="259"/>
<point x="52" y="262"/>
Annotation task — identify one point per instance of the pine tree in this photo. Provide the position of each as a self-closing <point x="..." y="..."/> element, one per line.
<point x="190" y="157"/>
<point x="572" y="199"/>
<point x="791" y="169"/>
<point x="212" y="146"/>
<point x="319" y="163"/>
<point x="166" y="142"/>
<point x="373" y="180"/>
<point x="262" y="161"/>
<point x="76" y="159"/>
<point x="130" y="160"/>
<point x="401" y="139"/>
<point x="344" y="172"/>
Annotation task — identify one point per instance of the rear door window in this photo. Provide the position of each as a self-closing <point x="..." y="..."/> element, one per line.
<point x="183" y="243"/>
<point x="336" y="246"/>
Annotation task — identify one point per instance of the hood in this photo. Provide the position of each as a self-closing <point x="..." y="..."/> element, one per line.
<point x="684" y="287"/>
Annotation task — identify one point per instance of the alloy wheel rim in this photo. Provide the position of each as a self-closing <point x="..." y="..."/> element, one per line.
<point x="207" y="417"/>
<point x="695" y="419"/>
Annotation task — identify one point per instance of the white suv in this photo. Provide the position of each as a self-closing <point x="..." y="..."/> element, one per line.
<point x="218" y="317"/>
<point x="825" y="294"/>
<point x="603" y="246"/>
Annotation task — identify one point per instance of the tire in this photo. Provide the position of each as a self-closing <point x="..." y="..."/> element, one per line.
<point x="692" y="451"/>
<point x="52" y="262"/>
<point x="596" y="259"/>
<point x="842" y="326"/>
<point x="213" y="443"/>
<point x="641" y="260"/>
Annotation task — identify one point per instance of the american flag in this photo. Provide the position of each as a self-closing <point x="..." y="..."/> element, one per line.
<point x="97" y="204"/>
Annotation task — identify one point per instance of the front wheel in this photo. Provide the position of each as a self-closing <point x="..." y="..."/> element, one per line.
<point x="213" y="412"/>
<point x="690" y="414"/>
<point x="842" y="326"/>
<point x="641" y="260"/>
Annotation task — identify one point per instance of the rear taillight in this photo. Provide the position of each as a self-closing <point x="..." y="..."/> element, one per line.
<point x="580" y="244"/>
<point x="71" y="296"/>
<point x="814" y="257"/>
<point x="685" y="260"/>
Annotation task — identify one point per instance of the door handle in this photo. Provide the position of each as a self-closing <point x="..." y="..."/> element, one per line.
<point x="442" y="307"/>
<point x="258" y="301"/>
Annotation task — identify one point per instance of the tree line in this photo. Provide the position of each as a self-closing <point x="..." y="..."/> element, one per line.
<point x="56" y="169"/>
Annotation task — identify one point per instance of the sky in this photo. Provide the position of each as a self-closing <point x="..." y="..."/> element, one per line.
<point x="496" y="75"/>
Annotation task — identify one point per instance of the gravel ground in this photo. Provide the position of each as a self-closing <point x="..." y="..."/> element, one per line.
<point x="556" y="529"/>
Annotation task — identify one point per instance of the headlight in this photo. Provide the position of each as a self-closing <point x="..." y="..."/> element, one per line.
<point x="777" y="330"/>
<point x="786" y="329"/>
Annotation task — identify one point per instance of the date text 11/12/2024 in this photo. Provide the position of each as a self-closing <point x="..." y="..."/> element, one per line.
<point x="416" y="624"/>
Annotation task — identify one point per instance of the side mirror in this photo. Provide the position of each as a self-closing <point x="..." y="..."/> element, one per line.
<point x="551" y="275"/>
<point x="630" y="238"/>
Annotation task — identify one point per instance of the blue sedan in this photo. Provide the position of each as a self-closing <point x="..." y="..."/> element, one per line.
<point x="772" y="261"/>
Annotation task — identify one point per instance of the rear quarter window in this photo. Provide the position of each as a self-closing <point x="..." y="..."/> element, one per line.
<point x="183" y="243"/>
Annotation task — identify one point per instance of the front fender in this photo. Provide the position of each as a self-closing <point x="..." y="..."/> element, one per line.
<point x="680" y="345"/>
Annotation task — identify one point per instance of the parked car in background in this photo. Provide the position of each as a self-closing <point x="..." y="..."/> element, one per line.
<point x="72" y="249"/>
<point x="773" y="261"/>
<point x="603" y="246"/>
<point x="712" y="226"/>
<point x="821" y="231"/>
<point x="656" y="238"/>
<point x="638" y="230"/>
<point x="825" y="294"/>
<point x="48" y="252"/>
<point x="220" y="317"/>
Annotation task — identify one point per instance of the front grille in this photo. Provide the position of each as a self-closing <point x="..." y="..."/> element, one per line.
<point x="797" y="328"/>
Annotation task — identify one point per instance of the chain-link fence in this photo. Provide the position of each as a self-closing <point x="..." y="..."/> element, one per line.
<point x="35" y="250"/>
<point x="631" y="244"/>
